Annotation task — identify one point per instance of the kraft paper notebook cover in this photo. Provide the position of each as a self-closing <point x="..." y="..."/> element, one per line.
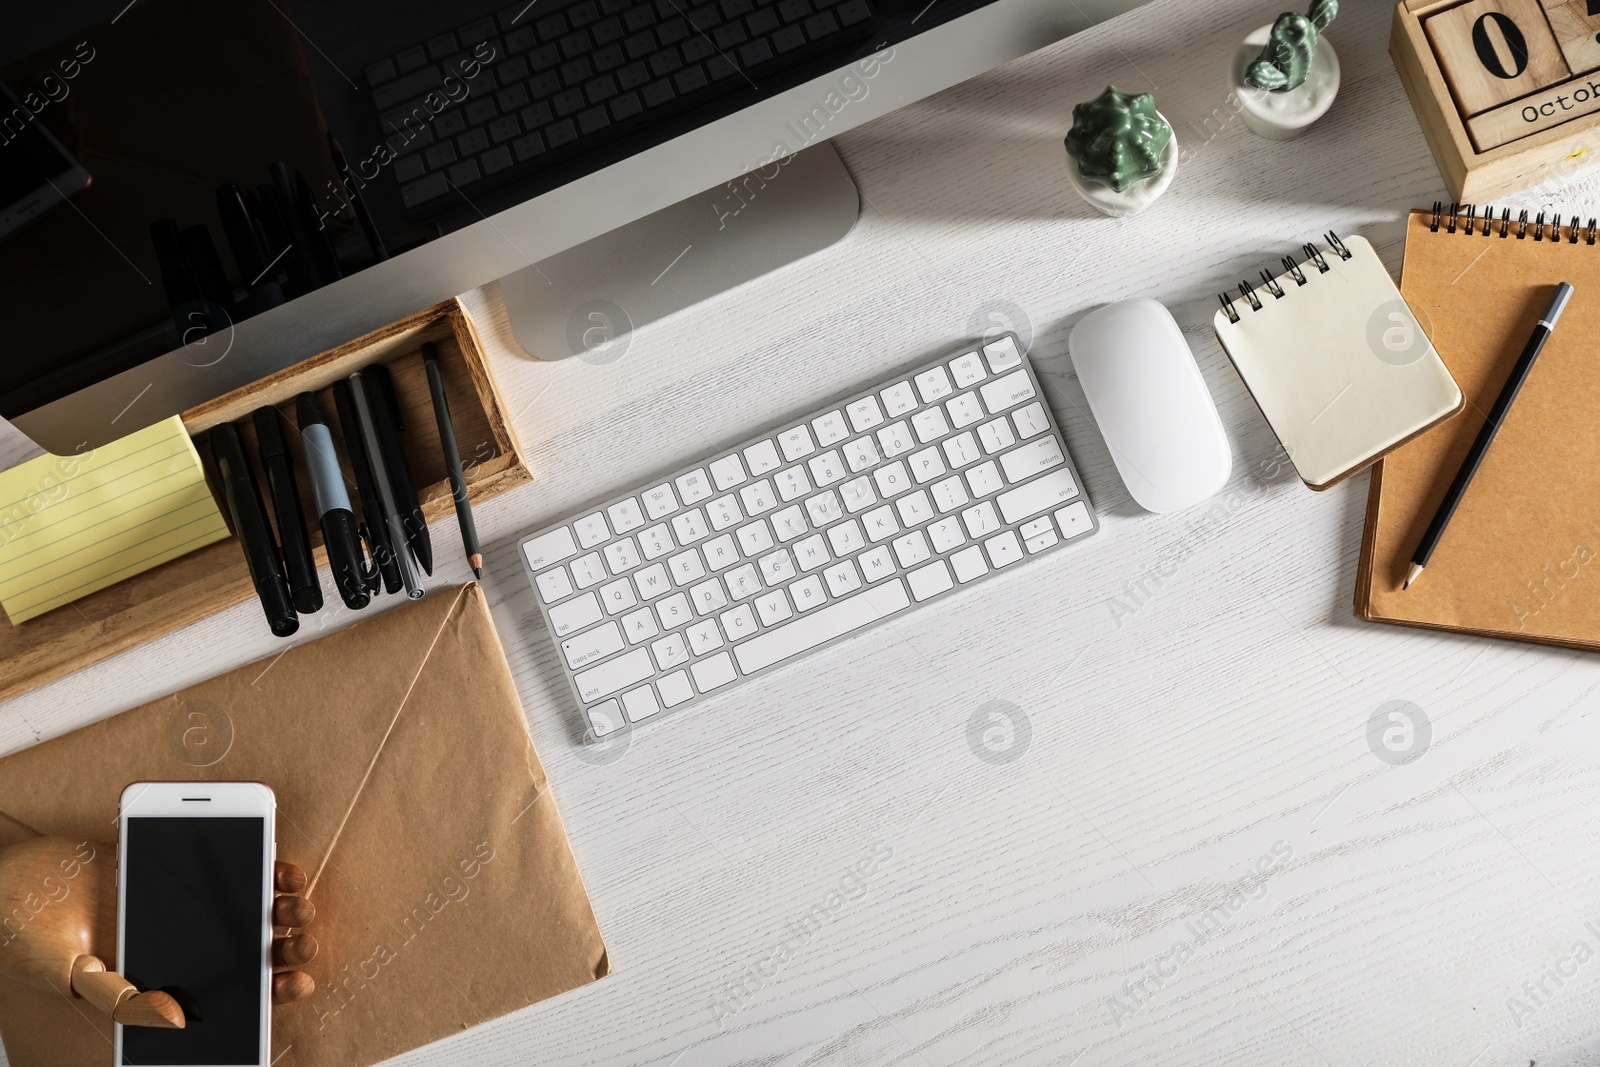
<point x="1521" y="557"/>
<point x="409" y="790"/>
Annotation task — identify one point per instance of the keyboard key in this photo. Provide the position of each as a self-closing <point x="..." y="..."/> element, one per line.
<point x="704" y="636"/>
<point x="727" y="472"/>
<point x="820" y="25"/>
<point x="652" y="582"/>
<point x="674" y="611"/>
<point x="761" y="458"/>
<point x="706" y="598"/>
<point x="829" y="428"/>
<point x="593" y="120"/>
<point x="807" y="593"/>
<point x="796" y="442"/>
<point x="670" y="651"/>
<point x="811" y="553"/>
<point x="792" y="483"/>
<point x="618" y="596"/>
<point x="877" y="564"/>
<point x="592" y="530"/>
<point x="946" y="534"/>
<point x="933" y="385"/>
<point x="470" y="144"/>
<point x="675" y="689"/>
<point x="591" y="646"/>
<point x="826" y="468"/>
<point x="380" y="72"/>
<point x="689" y="527"/>
<point x="1006" y="392"/>
<point x="778" y="567"/>
<point x="607" y="31"/>
<point x="898" y="399"/>
<point x="930" y="424"/>
<point x="969" y="564"/>
<point x="553" y="585"/>
<point x="464" y="173"/>
<point x="713" y="672"/>
<point x="724" y="512"/>
<point x="411" y="86"/>
<point x="480" y="111"/>
<point x="423" y="190"/>
<point x="622" y="555"/>
<point x="626" y="106"/>
<point x="788" y="39"/>
<point x="588" y="570"/>
<point x="911" y="549"/>
<point x="984" y="479"/>
<point x="929" y="581"/>
<point x="605" y="718"/>
<point x="914" y="509"/>
<point x="625" y="515"/>
<point x="440" y="156"/>
<point x="1030" y="420"/>
<point x="1023" y="463"/>
<point x="614" y="675"/>
<point x="477" y="30"/>
<point x="553" y="547"/>
<point x="864" y="414"/>
<point x="773" y="607"/>
<point x="880" y="524"/>
<point x="720" y="552"/>
<point x="1039" y="494"/>
<point x="926" y="465"/>
<point x="1002" y="354"/>
<point x="694" y="486"/>
<point x="847" y="538"/>
<point x="755" y="53"/>
<point x="793" y="10"/>
<point x="950" y="494"/>
<point x="834" y="621"/>
<point x="729" y="35"/>
<point x="892" y="479"/>
<point x="981" y="519"/>
<point x="789" y="523"/>
<point x="964" y="410"/>
<point x="861" y="453"/>
<point x="824" y="508"/>
<point x="560" y="133"/>
<point x="664" y="63"/>
<point x="967" y="370"/>
<point x="996" y="436"/>
<point x="495" y="160"/>
<point x="738" y="623"/>
<point x="895" y="439"/>
<point x="574" y="615"/>
<point x="755" y="538"/>
<point x="1003" y="549"/>
<point x="1074" y="520"/>
<point x="1038" y="534"/>
<point x="568" y="103"/>
<point x="742" y="582"/>
<point x="639" y="704"/>
<point x="842" y="578"/>
<point x="527" y="146"/>
<point x="659" y="501"/>
<point x="857" y="494"/>
<point x="637" y="18"/>
<point x="759" y="497"/>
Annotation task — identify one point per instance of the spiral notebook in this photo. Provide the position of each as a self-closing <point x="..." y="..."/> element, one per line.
<point x="1335" y="359"/>
<point x="1521" y="557"/>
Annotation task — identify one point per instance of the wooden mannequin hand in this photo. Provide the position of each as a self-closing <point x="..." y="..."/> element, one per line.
<point x="58" y="914"/>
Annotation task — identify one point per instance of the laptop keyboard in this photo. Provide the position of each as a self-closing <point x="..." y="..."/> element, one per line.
<point x="505" y="96"/>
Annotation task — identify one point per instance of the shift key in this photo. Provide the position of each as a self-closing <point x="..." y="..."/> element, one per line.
<point x="1054" y="488"/>
<point x="614" y="675"/>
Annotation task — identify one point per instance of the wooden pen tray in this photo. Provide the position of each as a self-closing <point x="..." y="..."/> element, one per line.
<point x="210" y="579"/>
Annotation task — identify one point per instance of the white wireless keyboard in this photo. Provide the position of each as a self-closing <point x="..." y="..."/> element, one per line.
<point x="758" y="555"/>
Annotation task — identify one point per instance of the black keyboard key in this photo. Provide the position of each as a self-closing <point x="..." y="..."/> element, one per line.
<point x="762" y="22"/>
<point x="593" y="121"/>
<point x="545" y="57"/>
<point x="544" y="85"/>
<point x="527" y="146"/>
<point x="730" y="36"/>
<point x="521" y="39"/>
<point x="737" y="9"/>
<point x="495" y="160"/>
<point x="405" y="89"/>
<point x="423" y="191"/>
<point x="516" y="15"/>
<point x="754" y="54"/>
<point x="608" y="31"/>
<point x="793" y="10"/>
<point x="568" y="102"/>
<point x="450" y="123"/>
<point x="601" y="89"/>
<point x="442" y="46"/>
<point x="562" y="133"/>
<point x="477" y="30"/>
<point x="819" y="26"/>
<point x="696" y="49"/>
<point x="633" y="75"/>
<point x="639" y="45"/>
<point x="380" y="72"/>
<point x="690" y="80"/>
<point x="704" y="18"/>
<point x="614" y="7"/>
<point x="577" y="72"/>
<point x="665" y="62"/>
<point x="666" y="9"/>
<point x="719" y="67"/>
<point x="552" y="27"/>
<point x="638" y="18"/>
<point x="788" y="39"/>
<point x="472" y="142"/>
<point x="584" y="13"/>
<point x="440" y="155"/>
<point x="577" y="44"/>
<point x="504" y="129"/>
<point x="480" y="111"/>
<point x="409" y="169"/>
<point x="464" y="173"/>
<point x="608" y="58"/>
<point x="512" y="71"/>
<point x="411" y="59"/>
<point x="511" y="98"/>
<point x="535" y="115"/>
<point x="626" y="107"/>
<point x="657" y="93"/>
<point x="672" y="31"/>
<point x="853" y="11"/>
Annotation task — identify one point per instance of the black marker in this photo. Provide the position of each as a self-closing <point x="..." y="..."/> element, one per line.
<point x="377" y="530"/>
<point x="250" y="526"/>
<point x="360" y="390"/>
<point x="304" y="589"/>
<point x="389" y="424"/>
<point x="340" y="535"/>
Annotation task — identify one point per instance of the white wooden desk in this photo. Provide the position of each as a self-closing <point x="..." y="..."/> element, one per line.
<point x="1195" y="690"/>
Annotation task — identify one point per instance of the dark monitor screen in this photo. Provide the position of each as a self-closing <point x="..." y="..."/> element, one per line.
<point x="212" y="190"/>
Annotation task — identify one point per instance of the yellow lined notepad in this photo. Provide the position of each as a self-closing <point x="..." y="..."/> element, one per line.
<point x="70" y="525"/>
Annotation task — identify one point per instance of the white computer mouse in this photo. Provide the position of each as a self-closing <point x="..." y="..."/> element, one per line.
<point x="1151" y="403"/>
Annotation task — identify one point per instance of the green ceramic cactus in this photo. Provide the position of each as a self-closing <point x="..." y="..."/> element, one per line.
<point x="1117" y="139"/>
<point x="1286" y="60"/>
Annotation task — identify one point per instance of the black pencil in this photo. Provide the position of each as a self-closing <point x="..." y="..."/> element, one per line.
<point x="452" y="459"/>
<point x="1491" y="426"/>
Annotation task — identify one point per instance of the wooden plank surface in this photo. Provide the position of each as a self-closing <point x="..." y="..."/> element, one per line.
<point x="1196" y="692"/>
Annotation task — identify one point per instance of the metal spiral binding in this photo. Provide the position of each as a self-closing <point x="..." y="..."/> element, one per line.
<point x="1292" y="269"/>
<point x="1465" y="216"/>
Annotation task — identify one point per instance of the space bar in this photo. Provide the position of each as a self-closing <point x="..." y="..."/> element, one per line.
<point x="822" y="625"/>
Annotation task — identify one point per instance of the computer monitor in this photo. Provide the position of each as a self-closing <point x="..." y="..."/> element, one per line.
<point x="177" y="223"/>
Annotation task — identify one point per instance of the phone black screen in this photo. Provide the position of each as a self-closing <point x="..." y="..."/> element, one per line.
<point x="194" y="930"/>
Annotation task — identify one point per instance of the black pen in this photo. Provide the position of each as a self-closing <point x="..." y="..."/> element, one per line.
<point x="377" y="530"/>
<point x="390" y="424"/>
<point x="341" y="538"/>
<point x="239" y="226"/>
<point x="304" y="588"/>
<point x="365" y="416"/>
<point x="250" y="526"/>
<point x="352" y="186"/>
<point x="1491" y="426"/>
<point x="452" y="459"/>
<point x="318" y="237"/>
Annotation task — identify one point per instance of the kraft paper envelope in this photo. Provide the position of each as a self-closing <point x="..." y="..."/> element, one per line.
<point x="408" y="789"/>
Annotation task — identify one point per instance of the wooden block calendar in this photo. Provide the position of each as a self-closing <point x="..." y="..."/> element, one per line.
<point x="1507" y="91"/>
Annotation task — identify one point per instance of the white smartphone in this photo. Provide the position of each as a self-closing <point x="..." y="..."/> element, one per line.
<point x="194" y="919"/>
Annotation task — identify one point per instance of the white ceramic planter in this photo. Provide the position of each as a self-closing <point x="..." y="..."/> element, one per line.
<point x="1280" y="116"/>
<point x="1137" y="196"/>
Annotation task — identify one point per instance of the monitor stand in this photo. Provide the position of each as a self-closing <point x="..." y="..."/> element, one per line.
<point x="587" y="300"/>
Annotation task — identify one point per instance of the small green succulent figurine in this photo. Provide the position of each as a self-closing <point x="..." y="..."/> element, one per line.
<point x="1117" y="138"/>
<point x="1286" y="60"/>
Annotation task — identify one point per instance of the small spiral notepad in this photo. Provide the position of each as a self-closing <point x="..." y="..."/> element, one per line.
<point x="1335" y="359"/>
